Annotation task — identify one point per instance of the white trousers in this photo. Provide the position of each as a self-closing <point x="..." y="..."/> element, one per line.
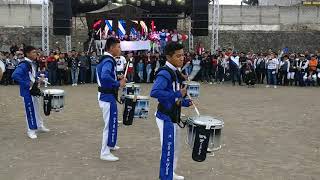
<point x="176" y="141"/>
<point x="39" y="120"/>
<point x="105" y="107"/>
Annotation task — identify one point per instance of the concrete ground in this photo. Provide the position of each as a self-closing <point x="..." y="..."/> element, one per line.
<point x="269" y="134"/>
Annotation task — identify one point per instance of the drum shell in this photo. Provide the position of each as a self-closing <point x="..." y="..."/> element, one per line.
<point x="142" y="106"/>
<point x="131" y="89"/>
<point x="193" y="88"/>
<point x="215" y="131"/>
<point x="57" y="98"/>
<point x="128" y="112"/>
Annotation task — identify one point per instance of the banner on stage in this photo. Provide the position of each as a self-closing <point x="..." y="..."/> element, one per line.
<point x="135" y="45"/>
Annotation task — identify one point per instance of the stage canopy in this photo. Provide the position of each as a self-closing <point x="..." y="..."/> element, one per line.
<point x="131" y="13"/>
<point x="114" y="12"/>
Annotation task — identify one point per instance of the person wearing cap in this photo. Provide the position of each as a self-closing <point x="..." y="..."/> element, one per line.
<point x="284" y="70"/>
<point x="304" y="62"/>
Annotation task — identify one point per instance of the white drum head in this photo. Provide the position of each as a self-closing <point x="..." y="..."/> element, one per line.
<point x="132" y="85"/>
<point x="2" y="67"/>
<point x="207" y="121"/>
<point x="54" y="91"/>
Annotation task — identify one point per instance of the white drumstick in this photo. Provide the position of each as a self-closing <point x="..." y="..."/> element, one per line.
<point x="188" y="76"/>
<point x="125" y="74"/>
<point x="195" y="107"/>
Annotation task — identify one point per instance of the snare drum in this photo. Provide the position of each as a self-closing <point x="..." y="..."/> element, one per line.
<point x="141" y="107"/>
<point x="131" y="89"/>
<point x="56" y="97"/>
<point x="204" y="132"/>
<point x="193" y="88"/>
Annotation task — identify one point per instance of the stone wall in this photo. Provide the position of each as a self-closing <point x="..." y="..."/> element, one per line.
<point x="262" y="40"/>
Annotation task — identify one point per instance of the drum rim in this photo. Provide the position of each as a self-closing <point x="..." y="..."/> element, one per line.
<point x="138" y="97"/>
<point x="131" y="85"/>
<point x="191" y="83"/>
<point x="192" y="121"/>
<point x="54" y="91"/>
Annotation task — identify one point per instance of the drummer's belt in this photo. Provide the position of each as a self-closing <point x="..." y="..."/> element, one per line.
<point x="174" y="113"/>
<point x="113" y="91"/>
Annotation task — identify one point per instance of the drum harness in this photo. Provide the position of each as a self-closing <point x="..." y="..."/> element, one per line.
<point x="175" y="111"/>
<point x="113" y="91"/>
<point x="35" y="91"/>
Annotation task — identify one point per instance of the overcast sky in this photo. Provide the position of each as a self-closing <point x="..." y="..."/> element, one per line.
<point x="221" y="1"/>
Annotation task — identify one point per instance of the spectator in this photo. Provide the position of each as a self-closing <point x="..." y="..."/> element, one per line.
<point x="272" y="70"/>
<point x="84" y="66"/>
<point x="234" y="66"/>
<point x="284" y="70"/>
<point x="43" y="76"/>
<point x="74" y="68"/>
<point x="148" y="63"/>
<point x="61" y="71"/>
<point x="130" y="60"/>
<point x="52" y="68"/>
<point x="94" y="60"/>
<point x="140" y="69"/>
<point x="121" y="64"/>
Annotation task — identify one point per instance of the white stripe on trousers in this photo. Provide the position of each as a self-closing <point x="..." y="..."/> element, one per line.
<point x="39" y="120"/>
<point x="176" y="141"/>
<point x="105" y="107"/>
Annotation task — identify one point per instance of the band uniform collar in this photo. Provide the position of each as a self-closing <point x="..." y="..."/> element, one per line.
<point x="27" y="59"/>
<point x="171" y="66"/>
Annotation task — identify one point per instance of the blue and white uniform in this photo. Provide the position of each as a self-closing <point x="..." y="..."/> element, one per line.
<point x="24" y="76"/>
<point x="106" y="78"/>
<point x="167" y="94"/>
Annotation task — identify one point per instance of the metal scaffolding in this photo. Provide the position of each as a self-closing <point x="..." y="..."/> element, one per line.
<point x="45" y="26"/>
<point x="68" y="43"/>
<point x="215" y="25"/>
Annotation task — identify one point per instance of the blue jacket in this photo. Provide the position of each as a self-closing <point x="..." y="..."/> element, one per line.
<point x="163" y="91"/>
<point x="107" y="77"/>
<point x="21" y="75"/>
<point x="41" y="72"/>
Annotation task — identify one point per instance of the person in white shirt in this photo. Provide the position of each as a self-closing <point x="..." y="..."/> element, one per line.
<point x="121" y="64"/>
<point x="272" y="70"/>
<point x="2" y="69"/>
<point x="234" y="66"/>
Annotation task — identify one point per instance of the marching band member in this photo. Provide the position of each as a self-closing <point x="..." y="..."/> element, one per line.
<point x="107" y="97"/>
<point x="25" y="75"/>
<point x="167" y="90"/>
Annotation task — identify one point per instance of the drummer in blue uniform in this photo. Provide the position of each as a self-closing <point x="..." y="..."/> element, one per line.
<point x="171" y="97"/>
<point x="109" y="84"/>
<point x="25" y="75"/>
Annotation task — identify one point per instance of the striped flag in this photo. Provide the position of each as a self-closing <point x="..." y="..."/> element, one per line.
<point x="108" y="26"/>
<point x="121" y="28"/>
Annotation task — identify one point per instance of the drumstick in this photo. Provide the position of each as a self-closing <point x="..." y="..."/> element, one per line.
<point x="195" y="107"/>
<point x="125" y="74"/>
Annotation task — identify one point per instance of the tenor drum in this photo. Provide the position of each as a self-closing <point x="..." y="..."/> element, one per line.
<point x="131" y="89"/>
<point x="193" y="88"/>
<point x="53" y="99"/>
<point x="204" y="132"/>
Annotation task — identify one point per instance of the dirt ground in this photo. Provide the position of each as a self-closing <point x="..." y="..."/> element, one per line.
<point x="270" y="134"/>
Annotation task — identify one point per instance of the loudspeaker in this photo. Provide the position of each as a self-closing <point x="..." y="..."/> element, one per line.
<point x="62" y="17"/>
<point x="199" y="18"/>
